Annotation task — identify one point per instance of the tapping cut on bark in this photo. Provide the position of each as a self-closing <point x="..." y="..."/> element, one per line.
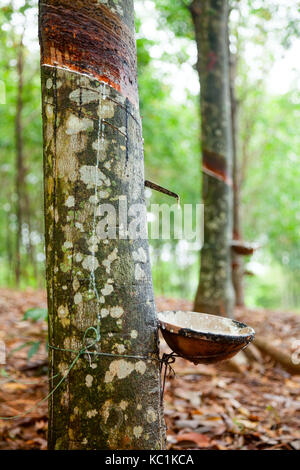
<point x="93" y="37"/>
<point x="215" y="166"/>
<point x="243" y="248"/>
<point x="93" y="155"/>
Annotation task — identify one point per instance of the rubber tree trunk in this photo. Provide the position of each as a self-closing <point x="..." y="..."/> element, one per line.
<point x="237" y="260"/>
<point x="215" y="293"/>
<point x="93" y="154"/>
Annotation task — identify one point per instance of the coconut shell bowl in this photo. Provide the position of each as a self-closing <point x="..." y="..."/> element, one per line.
<point x="203" y="338"/>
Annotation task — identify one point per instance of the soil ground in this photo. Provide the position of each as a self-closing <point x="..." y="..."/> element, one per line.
<point x="254" y="405"/>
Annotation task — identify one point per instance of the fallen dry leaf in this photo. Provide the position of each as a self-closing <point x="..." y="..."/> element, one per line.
<point x="200" y="439"/>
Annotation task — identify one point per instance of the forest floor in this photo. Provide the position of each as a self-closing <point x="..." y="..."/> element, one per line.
<point x="250" y="406"/>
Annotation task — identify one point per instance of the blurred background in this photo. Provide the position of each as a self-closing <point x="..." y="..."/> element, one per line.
<point x="264" y="41"/>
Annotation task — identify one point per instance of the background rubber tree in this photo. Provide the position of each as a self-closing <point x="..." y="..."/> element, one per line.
<point x="215" y="292"/>
<point x="238" y="267"/>
<point x="175" y="15"/>
<point x="209" y="28"/>
<point x="93" y="155"/>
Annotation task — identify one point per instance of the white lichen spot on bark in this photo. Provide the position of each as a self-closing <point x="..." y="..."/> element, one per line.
<point x="64" y="400"/>
<point x="151" y="415"/>
<point x="107" y="109"/>
<point x="66" y="158"/>
<point x="89" y="380"/>
<point x="120" y="348"/>
<point x="56" y="215"/>
<point x="93" y="244"/>
<point x="78" y="257"/>
<point x="140" y="255"/>
<point x="100" y="147"/>
<point x="90" y="263"/>
<point x="83" y="96"/>
<point x="70" y="201"/>
<point x="92" y="413"/>
<point x="49" y="83"/>
<point x="140" y="367"/>
<point x="108" y="288"/>
<point x="63" y="311"/>
<point x="76" y="284"/>
<point x="91" y="175"/>
<point x="104" y="312"/>
<point x="78" y="298"/>
<point x="106" y="410"/>
<point x="103" y="194"/>
<point x="74" y="124"/>
<point x="116" y="312"/>
<point x="63" y="368"/>
<point x="49" y="112"/>
<point x="123" y="404"/>
<point x="110" y="259"/>
<point x="67" y="245"/>
<point x="139" y="273"/>
<point x="119" y="369"/>
<point x="137" y="431"/>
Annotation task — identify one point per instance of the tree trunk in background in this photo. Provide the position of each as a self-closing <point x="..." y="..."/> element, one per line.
<point x="20" y="169"/>
<point x="237" y="260"/>
<point x="215" y="293"/>
<point x="93" y="154"/>
<point x="30" y="246"/>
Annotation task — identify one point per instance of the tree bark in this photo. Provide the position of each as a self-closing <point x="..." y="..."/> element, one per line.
<point x="284" y="359"/>
<point x="215" y="293"/>
<point x="93" y="154"/>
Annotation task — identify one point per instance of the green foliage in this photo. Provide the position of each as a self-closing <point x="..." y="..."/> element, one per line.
<point x="171" y="148"/>
<point x="32" y="246"/>
<point x="268" y="143"/>
<point x="36" y="314"/>
<point x="176" y="14"/>
<point x="268" y="149"/>
<point x="34" y="347"/>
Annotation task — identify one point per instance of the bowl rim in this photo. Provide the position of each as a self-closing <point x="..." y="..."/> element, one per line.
<point x="185" y="331"/>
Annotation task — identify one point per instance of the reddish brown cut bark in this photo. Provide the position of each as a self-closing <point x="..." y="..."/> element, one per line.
<point x="91" y="37"/>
